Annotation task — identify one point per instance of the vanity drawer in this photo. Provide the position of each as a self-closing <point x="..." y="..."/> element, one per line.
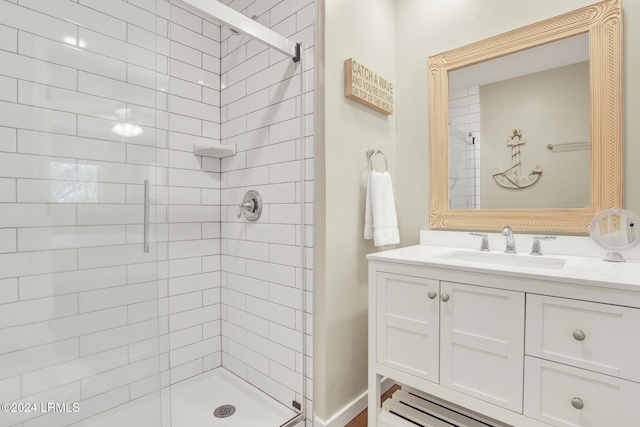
<point x="565" y="396"/>
<point x="599" y="337"/>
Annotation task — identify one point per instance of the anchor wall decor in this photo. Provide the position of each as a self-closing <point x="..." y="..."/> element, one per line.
<point x="512" y="178"/>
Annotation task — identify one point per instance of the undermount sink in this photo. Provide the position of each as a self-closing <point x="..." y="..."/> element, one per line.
<point x="505" y="259"/>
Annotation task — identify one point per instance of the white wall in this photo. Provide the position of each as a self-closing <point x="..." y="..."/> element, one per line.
<point x="363" y="30"/>
<point x="549" y="107"/>
<point x="424" y="29"/>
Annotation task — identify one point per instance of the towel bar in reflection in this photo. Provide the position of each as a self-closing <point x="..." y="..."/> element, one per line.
<point x="569" y="145"/>
<point x="372" y="152"/>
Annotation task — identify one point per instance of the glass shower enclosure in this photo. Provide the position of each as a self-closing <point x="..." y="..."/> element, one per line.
<point x="79" y="148"/>
<point x="113" y="269"/>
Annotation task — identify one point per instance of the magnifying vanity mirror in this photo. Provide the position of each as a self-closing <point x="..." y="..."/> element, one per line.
<point x="525" y="127"/>
<point x="615" y="230"/>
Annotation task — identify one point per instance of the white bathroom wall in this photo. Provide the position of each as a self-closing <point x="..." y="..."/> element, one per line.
<point x="191" y="304"/>
<point x="429" y="28"/>
<point x="564" y="182"/>
<point x="78" y="313"/>
<point x="262" y="315"/>
<point x="360" y="29"/>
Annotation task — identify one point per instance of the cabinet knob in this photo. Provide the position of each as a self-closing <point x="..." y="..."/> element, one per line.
<point x="432" y="295"/>
<point x="579" y="335"/>
<point x="577" y="403"/>
<point x="444" y="297"/>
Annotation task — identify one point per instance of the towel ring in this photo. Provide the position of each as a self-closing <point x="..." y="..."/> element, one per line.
<point x="371" y="153"/>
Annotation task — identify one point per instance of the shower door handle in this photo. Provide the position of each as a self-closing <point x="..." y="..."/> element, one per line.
<point x="146" y="216"/>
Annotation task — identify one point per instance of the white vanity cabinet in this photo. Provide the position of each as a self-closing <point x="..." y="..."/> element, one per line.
<point x="561" y="395"/>
<point x="603" y="338"/>
<point x="586" y="367"/>
<point x="482" y="342"/>
<point x="467" y="338"/>
<point x="459" y="337"/>
<point x="408" y="324"/>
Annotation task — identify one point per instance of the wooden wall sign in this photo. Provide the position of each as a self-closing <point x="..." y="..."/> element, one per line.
<point x="367" y="87"/>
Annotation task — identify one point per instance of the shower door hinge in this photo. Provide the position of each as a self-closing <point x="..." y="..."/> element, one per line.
<point x="297" y="57"/>
<point x="297" y="405"/>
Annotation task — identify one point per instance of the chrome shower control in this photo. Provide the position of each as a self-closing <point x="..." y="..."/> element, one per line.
<point x="247" y="206"/>
<point x="251" y="206"/>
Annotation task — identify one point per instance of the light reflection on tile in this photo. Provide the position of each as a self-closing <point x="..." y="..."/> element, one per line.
<point x="61" y="170"/>
<point x="103" y="129"/>
<point x="75" y="192"/>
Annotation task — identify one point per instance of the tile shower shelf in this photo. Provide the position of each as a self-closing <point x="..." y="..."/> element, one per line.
<point x="214" y="150"/>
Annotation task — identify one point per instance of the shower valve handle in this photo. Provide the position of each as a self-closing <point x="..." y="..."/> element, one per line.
<point x="246" y="205"/>
<point x="251" y="206"/>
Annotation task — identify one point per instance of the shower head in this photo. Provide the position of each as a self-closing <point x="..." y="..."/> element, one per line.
<point x="236" y="32"/>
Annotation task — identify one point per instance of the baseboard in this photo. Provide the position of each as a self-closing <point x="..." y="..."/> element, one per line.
<point x="352" y="410"/>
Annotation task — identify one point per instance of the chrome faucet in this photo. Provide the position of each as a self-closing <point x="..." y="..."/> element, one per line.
<point x="535" y="248"/>
<point x="511" y="242"/>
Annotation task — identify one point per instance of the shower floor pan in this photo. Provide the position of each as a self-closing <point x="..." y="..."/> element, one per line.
<point x="194" y="401"/>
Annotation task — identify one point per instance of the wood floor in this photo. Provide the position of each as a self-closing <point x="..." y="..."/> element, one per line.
<point x="361" y="419"/>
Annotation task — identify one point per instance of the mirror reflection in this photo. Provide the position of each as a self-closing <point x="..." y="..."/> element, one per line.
<point x="615" y="229"/>
<point x="519" y="129"/>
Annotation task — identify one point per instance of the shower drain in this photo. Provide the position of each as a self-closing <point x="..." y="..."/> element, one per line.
<point x="224" y="411"/>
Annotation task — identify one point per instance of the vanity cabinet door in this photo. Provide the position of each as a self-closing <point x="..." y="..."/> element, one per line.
<point x="565" y="396"/>
<point x="482" y="343"/>
<point x="599" y="337"/>
<point x="407" y="324"/>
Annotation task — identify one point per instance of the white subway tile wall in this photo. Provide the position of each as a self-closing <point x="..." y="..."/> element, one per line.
<point x="261" y="109"/>
<point x="190" y="338"/>
<point x="79" y="134"/>
<point x="465" y="148"/>
<point x="96" y="97"/>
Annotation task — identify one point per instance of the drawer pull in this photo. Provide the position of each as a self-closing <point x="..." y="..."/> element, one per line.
<point x="444" y="297"/>
<point x="577" y="403"/>
<point x="432" y="295"/>
<point x="579" y="335"/>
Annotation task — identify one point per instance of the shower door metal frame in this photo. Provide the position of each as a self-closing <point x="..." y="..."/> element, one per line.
<point x="228" y="16"/>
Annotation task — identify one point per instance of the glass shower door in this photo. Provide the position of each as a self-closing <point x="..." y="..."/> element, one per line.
<point x="78" y="285"/>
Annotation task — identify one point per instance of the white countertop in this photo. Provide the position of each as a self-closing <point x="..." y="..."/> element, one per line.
<point x="580" y="270"/>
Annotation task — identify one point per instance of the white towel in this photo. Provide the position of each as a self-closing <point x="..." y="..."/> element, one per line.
<point x="368" y="213"/>
<point x="380" y="221"/>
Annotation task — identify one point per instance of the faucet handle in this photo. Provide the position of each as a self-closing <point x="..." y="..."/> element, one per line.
<point x="535" y="248"/>
<point x="484" y="246"/>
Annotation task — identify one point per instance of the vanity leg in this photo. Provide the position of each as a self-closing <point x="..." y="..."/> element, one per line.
<point x="373" y="395"/>
<point x="374" y="398"/>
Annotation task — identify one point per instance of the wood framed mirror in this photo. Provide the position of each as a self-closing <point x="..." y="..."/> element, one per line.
<point x="520" y="165"/>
